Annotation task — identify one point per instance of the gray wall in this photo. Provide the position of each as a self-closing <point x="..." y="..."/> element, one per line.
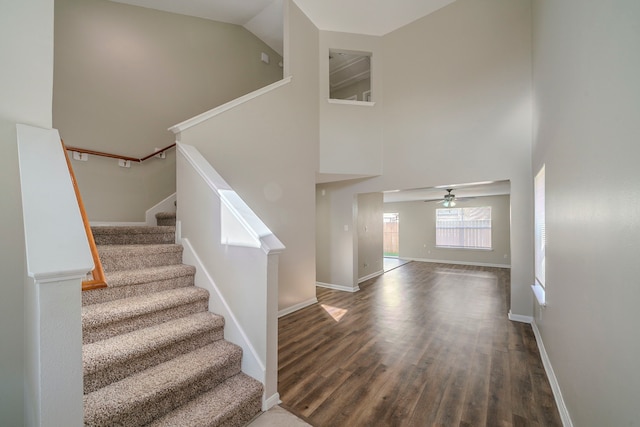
<point x="456" y="91"/>
<point x="26" y="49"/>
<point x="418" y="232"/>
<point x="124" y="74"/>
<point x="586" y="60"/>
<point x="351" y="136"/>
<point x="369" y="232"/>
<point x="267" y="150"/>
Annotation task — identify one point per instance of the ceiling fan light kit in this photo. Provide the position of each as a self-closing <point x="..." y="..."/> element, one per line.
<point x="449" y="199"/>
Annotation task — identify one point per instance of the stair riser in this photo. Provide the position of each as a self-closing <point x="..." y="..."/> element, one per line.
<point x="107" y="330"/>
<point x="232" y="404"/>
<point x="135" y="239"/>
<point x="128" y="261"/>
<point x="119" y="292"/>
<point x="123" y="369"/>
<point x="166" y="221"/>
<point x="241" y="417"/>
<point x="149" y="410"/>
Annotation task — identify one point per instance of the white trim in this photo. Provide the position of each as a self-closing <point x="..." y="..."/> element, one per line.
<point x="270" y="402"/>
<point x="520" y="318"/>
<point x="553" y="381"/>
<point x="444" y="261"/>
<point x="337" y="287"/>
<point x="539" y="292"/>
<point x="251" y="363"/>
<point x="166" y="205"/>
<point x="370" y="276"/>
<point x="297" y="307"/>
<point x="181" y="127"/>
<point x="347" y="102"/>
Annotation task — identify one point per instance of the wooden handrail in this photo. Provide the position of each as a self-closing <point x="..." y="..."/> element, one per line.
<point x="118" y="156"/>
<point x="98" y="279"/>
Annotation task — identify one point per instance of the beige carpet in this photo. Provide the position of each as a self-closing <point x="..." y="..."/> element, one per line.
<point x="153" y="354"/>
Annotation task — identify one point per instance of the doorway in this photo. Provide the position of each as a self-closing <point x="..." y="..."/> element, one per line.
<point x="391" y="235"/>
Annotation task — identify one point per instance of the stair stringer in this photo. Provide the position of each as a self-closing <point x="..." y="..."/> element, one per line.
<point x="237" y="267"/>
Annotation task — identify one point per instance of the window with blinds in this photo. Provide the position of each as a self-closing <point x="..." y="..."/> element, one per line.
<point x="539" y="226"/>
<point x="468" y="228"/>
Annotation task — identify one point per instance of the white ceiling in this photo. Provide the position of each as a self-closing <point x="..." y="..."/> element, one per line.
<point x="494" y="188"/>
<point x="232" y="11"/>
<point x="372" y="17"/>
<point x="264" y="17"/>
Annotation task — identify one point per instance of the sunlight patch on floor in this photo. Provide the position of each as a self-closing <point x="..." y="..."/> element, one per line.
<point x="335" y="312"/>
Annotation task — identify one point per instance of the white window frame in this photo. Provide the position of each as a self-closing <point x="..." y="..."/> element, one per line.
<point x="540" y="238"/>
<point x="467" y="247"/>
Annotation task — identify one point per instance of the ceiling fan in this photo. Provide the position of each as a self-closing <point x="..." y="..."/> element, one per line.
<point x="450" y="199"/>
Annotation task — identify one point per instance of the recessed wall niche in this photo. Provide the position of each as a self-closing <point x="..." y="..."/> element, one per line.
<point x="350" y="75"/>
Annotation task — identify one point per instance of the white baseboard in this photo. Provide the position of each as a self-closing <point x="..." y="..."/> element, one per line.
<point x="166" y="205"/>
<point x="442" y="261"/>
<point x="520" y="318"/>
<point x="270" y="402"/>
<point x="370" y="276"/>
<point x="337" y="287"/>
<point x="297" y="307"/>
<point x="553" y="381"/>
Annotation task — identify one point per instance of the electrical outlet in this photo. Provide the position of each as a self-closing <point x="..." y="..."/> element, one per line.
<point x="83" y="157"/>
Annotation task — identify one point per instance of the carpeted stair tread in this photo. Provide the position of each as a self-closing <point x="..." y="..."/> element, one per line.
<point x="114" y="311"/>
<point x="130" y="283"/>
<point x="166" y="218"/>
<point x="113" y="359"/>
<point x="98" y="355"/>
<point x="152" y="350"/>
<point x="131" y="235"/>
<point x="147" y="275"/>
<point x="129" y="257"/>
<point x="142" y="397"/>
<point x="105" y="320"/>
<point x="231" y="404"/>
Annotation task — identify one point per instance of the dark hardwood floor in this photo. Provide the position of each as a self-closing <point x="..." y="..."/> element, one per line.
<point x="423" y="345"/>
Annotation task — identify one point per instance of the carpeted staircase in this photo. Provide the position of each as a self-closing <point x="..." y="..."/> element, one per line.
<point x="153" y="354"/>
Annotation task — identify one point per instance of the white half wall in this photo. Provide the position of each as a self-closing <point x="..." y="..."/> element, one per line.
<point x="267" y="150"/>
<point x="26" y="85"/>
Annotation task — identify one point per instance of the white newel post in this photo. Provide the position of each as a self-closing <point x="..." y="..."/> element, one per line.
<point x="54" y="352"/>
<point x="57" y="259"/>
<point x="271" y="375"/>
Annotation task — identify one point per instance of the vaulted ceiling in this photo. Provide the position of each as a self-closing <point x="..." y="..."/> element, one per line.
<point x="264" y="17"/>
<point x="371" y="17"/>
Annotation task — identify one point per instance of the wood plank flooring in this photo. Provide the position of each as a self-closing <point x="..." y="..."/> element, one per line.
<point x="425" y="344"/>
